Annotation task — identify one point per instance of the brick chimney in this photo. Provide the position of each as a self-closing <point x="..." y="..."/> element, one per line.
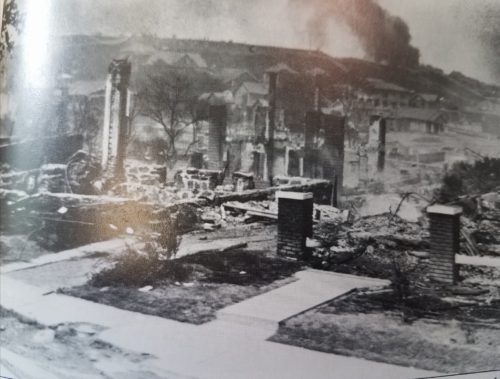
<point x="116" y="117"/>
<point x="333" y="155"/>
<point x="217" y="116"/>
<point x="312" y="127"/>
<point x="273" y="81"/>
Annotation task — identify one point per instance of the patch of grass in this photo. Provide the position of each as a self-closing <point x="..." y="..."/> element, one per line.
<point x="371" y="326"/>
<point x="242" y="267"/>
<point x="196" y="304"/>
<point x="189" y="289"/>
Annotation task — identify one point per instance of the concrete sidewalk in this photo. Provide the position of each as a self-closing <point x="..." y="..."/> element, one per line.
<point x="109" y="246"/>
<point x="312" y="288"/>
<point x="219" y="349"/>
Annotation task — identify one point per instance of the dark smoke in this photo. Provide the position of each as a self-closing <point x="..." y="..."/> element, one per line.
<point x="489" y="20"/>
<point x="384" y="37"/>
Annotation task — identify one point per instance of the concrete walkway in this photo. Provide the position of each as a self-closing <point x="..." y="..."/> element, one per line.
<point x="219" y="349"/>
<point x="110" y="246"/>
<point x="312" y="288"/>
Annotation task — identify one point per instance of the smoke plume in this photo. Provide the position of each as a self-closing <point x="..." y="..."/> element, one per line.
<point x="384" y="37"/>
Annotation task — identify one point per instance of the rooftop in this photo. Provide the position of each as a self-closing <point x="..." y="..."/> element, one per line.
<point x="420" y="114"/>
<point x="381" y="85"/>
<point x="255" y="88"/>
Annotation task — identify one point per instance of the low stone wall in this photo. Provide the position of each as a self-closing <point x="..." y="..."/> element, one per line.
<point x="321" y="189"/>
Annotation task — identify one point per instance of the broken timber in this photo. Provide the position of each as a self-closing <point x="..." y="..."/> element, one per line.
<point x="470" y="246"/>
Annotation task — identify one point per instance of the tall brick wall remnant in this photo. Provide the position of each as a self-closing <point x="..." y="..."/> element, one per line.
<point x="333" y="153"/>
<point x="116" y="122"/>
<point x="312" y="127"/>
<point x="216" y="136"/>
<point x="379" y="127"/>
<point x="445" y="242"/>
<point x="272" y="97"/>
<point x="295" y="221"/>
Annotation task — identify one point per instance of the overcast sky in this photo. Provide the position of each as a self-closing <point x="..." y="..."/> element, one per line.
<point x="449" y="33"/>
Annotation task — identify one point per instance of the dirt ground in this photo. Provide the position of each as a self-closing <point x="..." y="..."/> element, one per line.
<point x="428" y="332"/>
<point x="68" y="351"/>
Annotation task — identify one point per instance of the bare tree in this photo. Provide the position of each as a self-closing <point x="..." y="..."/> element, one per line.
<point x="167" y="99"/>
<point x="169" y="96"/>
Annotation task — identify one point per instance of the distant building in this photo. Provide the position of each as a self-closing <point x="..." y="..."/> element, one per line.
<point x="176" y="59"/>
<point x="416" y="120"/>
<point x="233" y="78"/>
<point x="379" y="93"/>
<point x="425" y="100"/>
<point x="249" y="93"/>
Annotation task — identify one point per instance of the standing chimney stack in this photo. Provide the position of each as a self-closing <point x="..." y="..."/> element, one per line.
<point x="217" y="115"/>
<point x="378" y="125"/>
<point x="273" y="80"/>
<point x="116" y="117"/>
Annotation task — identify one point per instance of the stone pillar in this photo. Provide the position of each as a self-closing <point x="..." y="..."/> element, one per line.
<point x="333" y="154"/>
<point x="116" y="118"/>
<point x="217" y="116"/>
<point x="295" y="222"/>
<point x="445" y="242"/>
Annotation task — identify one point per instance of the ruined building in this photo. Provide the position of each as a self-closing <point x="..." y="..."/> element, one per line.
<point x="264" y="145"/>
<point x="116" y="117"/>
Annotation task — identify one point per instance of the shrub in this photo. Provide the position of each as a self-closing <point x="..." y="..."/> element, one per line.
<point x="154" y="264"/>
<point x="136" y="269"/>
<point x="465" y="178"/>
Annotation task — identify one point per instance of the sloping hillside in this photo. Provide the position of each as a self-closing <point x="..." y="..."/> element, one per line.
<point x="87" y="58"/>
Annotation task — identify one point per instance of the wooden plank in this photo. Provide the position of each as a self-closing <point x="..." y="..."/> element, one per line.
<point x="269" y="215"/>
<point x="470" y="246"/>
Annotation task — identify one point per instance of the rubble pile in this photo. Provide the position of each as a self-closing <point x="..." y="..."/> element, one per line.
<point x="486" y="233"/>
<point x="481" y="225"/>
<point x="268" y="209"/>
<point x="148" y="183"/>
<point x="67" y="220"/>
<point x="369" y="245"/>
<point x="47" y="178"/>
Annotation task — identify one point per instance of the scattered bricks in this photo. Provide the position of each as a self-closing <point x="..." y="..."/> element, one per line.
<point x="445" y="243"/>
<point x="294" y="222"/>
